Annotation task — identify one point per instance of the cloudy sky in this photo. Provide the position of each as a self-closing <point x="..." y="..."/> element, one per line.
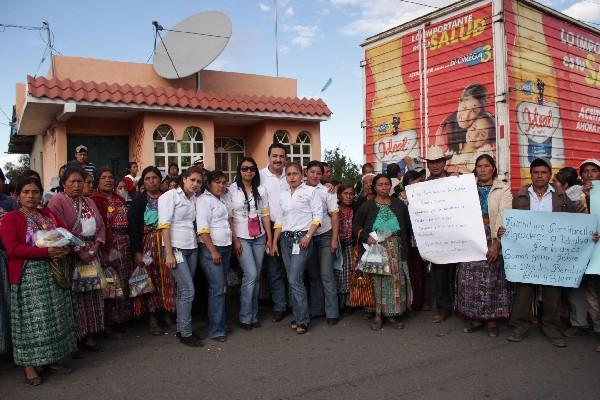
<point x="318" y="40"/>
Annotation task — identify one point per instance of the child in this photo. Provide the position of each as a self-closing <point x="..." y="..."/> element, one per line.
<point x="346" y="214"/>
<point x="479" y="140"/>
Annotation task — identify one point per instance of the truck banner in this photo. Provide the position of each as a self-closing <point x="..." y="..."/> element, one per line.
<point x="554" y="101"/>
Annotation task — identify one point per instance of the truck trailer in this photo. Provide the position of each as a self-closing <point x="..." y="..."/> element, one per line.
<point x="511" y="78"/>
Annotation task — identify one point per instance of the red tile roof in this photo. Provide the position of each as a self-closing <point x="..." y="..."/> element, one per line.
<point x="171" y="97"/>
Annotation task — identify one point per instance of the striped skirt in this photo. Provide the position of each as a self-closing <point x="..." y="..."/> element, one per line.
<point x="392" y="292"/>
<point x="88" y="308"/>
<point x="118" y="311"/>
<point x="42" y="317"/>
<point x="343" y="277"/>
<point x="4" y="305"/>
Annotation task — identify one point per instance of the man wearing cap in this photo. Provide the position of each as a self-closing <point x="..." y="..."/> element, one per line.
<point x="589" y="171"/>
<point x="539" y="196"/>
<point x="441" y="274"/>
<point x="272" y="177"/>
<point x="199" y="162"/>
<point x="81" y="159"/>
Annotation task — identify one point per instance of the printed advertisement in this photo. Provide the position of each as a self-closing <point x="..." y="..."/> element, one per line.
<point x="452" y="76"/>
<point x="554" y="79"/>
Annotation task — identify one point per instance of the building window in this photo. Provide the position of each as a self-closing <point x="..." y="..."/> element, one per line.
<point x="168" y="151"/>
<point x="300" y="151"/>
<point x="228" y="154"/>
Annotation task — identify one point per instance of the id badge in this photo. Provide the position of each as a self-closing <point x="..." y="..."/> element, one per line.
<point x="178" y="256"/>
<point x="296" y="248"/>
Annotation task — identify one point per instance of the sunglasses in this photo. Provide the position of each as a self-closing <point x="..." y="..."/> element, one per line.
<point x="249" y="169"/>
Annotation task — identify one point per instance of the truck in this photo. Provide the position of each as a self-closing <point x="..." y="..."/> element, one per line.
<point x="511" y="78"/>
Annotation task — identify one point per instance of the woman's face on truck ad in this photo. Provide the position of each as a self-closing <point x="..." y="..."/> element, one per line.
<point x="468" y="109"/>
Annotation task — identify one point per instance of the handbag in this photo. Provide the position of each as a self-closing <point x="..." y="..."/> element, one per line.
<point x="254" y="226"/>
<point x="361" y="291"/>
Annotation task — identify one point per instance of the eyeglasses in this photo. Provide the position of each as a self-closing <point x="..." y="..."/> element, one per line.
<point x="249" y="169"/>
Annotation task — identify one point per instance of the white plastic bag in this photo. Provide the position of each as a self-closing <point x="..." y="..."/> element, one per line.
<point x="374" y="260"/>
<point x="58" y="237"/>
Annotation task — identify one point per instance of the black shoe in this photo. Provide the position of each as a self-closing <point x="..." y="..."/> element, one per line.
<point x="247" y="327"/>
<point x="279" y="316"/>
<point x="332" y="321"/>
<point x="256" y="324"/>
<point x="220" y="339"/>
<point x="192" y="340"/>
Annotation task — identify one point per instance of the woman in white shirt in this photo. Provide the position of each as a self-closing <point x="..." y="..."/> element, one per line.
<point x="176" y="215"/>
<point x="323" y="286"/>
<point x="212" y="222"/>
<point x="301" y="214"/>
<point x="249" y="219"/>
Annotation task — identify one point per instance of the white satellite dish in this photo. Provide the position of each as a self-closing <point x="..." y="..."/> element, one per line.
<point x="191" y="45"/>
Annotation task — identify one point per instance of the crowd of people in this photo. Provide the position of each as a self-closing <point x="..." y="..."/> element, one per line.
<point x="135" y="244"/>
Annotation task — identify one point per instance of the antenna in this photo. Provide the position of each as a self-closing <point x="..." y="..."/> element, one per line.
<point x="276" y="42"/>
<point x="191" y="45"/>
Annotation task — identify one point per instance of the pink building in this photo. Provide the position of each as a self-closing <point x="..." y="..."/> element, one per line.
<point x="126" y="112"/>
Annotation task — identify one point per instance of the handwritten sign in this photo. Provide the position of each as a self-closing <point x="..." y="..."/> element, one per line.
<point x="547" y="248"/>
<point x="446" y="219"/>
<point x="594" y="265"/>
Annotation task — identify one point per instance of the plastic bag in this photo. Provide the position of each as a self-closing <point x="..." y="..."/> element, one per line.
<point x="58" y="237"/>
<point x="140" y="282"/>
<point x="86" y="276"/>
<point x="338" y="258"/>
<point x="110" y="282"/>
<point x="375" y="260"/>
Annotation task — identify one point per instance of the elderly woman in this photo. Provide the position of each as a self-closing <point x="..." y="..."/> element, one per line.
<point x="82" y="218"/>
<point x="7" y="204"/>
<point x="212" y="222"/>
<point x="366" y="192"/>
<point x="147" y="239"/>
<point x="116" y="251"/>
<point x="482" y="292"/>
<point x="41" y="310"/>
<point x="387" y="214"/>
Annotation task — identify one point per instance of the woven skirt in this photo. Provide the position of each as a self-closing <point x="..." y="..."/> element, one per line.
<point x="392" y="292"/>
<point x="118" y="311"/>
<point x="4" y="305"/>
<point x="88" y="308"/>
<point x="343" y="277"/>
<point x="41" y="317"/>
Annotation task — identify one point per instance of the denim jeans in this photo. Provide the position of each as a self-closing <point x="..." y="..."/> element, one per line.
<point x="323" y="286"/>
<point x="183" y="273"/>
<point x="295" y="265"/>
<point x="276" y="273"/>
<point x="253" y="251"/>
<point x="216" y="274"/>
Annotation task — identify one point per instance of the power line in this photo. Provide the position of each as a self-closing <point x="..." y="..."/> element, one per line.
<point x="5" y="114"/>
<point x="24" y="27"/>
<point x="419" y="4"/>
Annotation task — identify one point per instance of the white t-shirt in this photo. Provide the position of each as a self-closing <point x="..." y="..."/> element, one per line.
<point x="212" y="217"/>
<point x="177" y="213"/>
<point x="274" y="185"/>
<point x="241" y="209"/>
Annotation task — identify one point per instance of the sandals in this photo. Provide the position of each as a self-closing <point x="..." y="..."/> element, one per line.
<point x="36" y="381"/>
<point x="440" y="318"/>
<point x="474" y="327"/>
<point x="395" y="323"/>
<point x="301" y="329"/>
<point x="293" y="325"/>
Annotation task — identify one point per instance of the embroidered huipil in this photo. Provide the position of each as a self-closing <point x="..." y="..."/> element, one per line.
<point x="177" y="212"/>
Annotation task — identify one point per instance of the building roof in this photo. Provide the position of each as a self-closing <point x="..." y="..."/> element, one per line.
<point x="90" y="91"/>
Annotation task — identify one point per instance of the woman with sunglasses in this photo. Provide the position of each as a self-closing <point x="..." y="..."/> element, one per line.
<point x="251" y="231"/>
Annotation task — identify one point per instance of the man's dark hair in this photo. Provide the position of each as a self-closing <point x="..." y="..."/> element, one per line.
<point x="539" y="163"/>
<point x="393" y="170"/>
<point x="277" y="145"/>
<point x="365" y="166"/>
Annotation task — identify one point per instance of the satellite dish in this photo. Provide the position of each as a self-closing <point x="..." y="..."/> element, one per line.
<point x="191" y="45"/>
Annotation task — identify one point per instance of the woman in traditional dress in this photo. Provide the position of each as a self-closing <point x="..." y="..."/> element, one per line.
<point x="43" y="329"/>
<point x="248" y="207"/>
<point x="387" y="214"/>
<point x="147" y="240"/>
<point x="82" y="218"/>
<point x="116" y="251"/>
<point x="482" y="293"/>
<point x="301" y="214"/>
<point x="346" y="201"/>
<point x="7" y="204"/>
<point x="366" y="192"/>
<point x="88" y="185"/>
<point x="212" y="222"/>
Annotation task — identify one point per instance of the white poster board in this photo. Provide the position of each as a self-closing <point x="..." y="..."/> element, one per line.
<point x="446" y="219"/>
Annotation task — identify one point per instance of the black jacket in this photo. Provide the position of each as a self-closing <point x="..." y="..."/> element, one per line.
<point x="135" y="219"/>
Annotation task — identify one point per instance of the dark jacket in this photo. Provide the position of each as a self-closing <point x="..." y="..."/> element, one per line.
<point x="366" y="215"/>
<point x="135" y="219"/>
<point x="560" y="200"/>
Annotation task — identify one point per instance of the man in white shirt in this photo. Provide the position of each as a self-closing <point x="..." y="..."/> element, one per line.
<point x="272" y="177"/>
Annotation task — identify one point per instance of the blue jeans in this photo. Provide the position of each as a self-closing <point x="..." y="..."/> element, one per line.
<point x="216" y="275"/>
<point x="323" y="286"/>
<point x="295" y="265"/>
<point x="253" y="251"/>
<point x="276" y="272"/>
<point x="183" y="273"/>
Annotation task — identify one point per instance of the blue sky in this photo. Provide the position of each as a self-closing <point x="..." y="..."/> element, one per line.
<point x="318" y="39"/>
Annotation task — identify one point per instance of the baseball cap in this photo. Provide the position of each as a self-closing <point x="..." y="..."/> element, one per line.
<point x="81" y="149"/>
<point x="590" y="161"/>
<point x="198" y="160"/>
<point x="539" y="161"/>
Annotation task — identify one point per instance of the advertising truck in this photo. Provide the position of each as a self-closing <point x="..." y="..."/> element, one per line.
<point x="511" y="78"/>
